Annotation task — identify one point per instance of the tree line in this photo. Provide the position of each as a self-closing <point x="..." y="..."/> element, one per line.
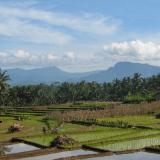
<point x="128" y="89"/>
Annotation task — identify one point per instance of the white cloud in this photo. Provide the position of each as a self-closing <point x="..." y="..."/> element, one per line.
<point x="71" y="56"/>
<point x="23" y="58"/>
<point x="69" y="61"/>
<point x="90" y="23"/>
<point x="24" y="30"/>
<point x="133" y="51"/>
<point x="52" y="57"/>
<point x="22" y="54"/>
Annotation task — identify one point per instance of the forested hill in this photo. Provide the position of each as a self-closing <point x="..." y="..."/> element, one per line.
<point x="53" y="74"/>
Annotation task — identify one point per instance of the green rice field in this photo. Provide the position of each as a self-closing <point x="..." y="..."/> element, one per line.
<point x="109" y="138"/>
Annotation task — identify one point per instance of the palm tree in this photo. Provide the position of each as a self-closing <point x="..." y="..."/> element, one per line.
<point x="4" y="78"/>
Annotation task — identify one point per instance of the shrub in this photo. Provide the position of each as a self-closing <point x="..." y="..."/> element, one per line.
<point x="133" y="99"/>
<point x="150" y="97"/>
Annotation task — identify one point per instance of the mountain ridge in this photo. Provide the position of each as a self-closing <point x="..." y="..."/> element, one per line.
<point x="53" y="74"/>
<point x="123" y="69"/>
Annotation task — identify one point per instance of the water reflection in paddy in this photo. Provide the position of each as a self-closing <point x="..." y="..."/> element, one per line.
<point x="61" y="155"/>
<point x="19" y="147"/>
<point x="132" y="156"/>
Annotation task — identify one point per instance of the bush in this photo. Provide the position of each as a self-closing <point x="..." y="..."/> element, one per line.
<point x="148" y="97"/>
<point x="133" y="99"/>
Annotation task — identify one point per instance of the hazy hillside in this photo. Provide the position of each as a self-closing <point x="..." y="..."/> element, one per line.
<point x="53" y="74"/>
<point x="123" y="69"/>
<point x="43" y="75"/>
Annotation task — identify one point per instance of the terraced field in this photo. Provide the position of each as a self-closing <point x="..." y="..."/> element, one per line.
<point x="112" y="138"/>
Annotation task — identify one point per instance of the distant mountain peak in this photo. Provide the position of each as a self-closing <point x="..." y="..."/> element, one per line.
<point x="124" y="69"/>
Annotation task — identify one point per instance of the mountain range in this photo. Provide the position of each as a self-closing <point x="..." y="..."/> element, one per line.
<point x="53" y="74"/>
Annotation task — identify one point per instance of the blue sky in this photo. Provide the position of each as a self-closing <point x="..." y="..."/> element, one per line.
<point x="78" y="35"/>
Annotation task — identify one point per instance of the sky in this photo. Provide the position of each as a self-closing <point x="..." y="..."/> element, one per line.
<point x="78" y="35"/>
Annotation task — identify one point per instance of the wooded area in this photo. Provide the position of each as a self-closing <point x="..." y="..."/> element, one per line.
<point x="133" y="89"/>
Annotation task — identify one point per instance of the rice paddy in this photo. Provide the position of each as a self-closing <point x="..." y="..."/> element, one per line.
<point x="133" y="144"/>
<point x="103" y="137"/>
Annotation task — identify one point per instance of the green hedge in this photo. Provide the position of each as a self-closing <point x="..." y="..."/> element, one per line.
<point x="149" y="97"/>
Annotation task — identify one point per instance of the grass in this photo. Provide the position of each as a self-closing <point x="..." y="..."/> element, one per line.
<point x="98" y="134"/>
<point x="32" y="127"/>
<point x="95" y="104"/>
<point x="67" y="129"/>
<point x="81" y="134"/>
<point x="44" y="140"/>
<point x="146" y="120"/>
<point x="132" y="144"/>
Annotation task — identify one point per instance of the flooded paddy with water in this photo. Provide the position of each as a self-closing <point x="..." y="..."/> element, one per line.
<point x="131" y="156"/>
<point x="19" y="147"/>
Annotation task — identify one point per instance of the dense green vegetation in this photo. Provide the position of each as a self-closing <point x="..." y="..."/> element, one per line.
<point x="130" y="90"/>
